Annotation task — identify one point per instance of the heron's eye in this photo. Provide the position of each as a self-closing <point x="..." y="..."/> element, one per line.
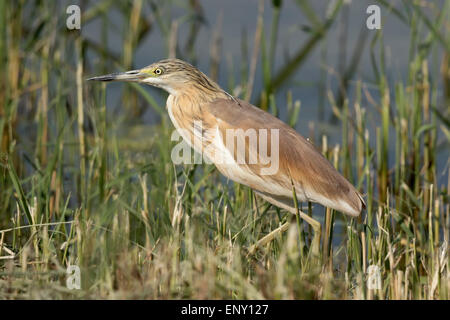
<point x="158" y="71"/>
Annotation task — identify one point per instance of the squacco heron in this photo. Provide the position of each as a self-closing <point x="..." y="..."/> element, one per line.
<point x="301" y="170"/>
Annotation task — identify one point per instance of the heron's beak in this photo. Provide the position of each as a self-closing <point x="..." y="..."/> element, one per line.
<point x="133" y="75"/>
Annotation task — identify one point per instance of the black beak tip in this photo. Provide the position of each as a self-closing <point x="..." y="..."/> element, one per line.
<point x="101" y="78"/>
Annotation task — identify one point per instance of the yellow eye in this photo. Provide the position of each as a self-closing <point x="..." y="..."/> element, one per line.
<point x="158" y="71"/>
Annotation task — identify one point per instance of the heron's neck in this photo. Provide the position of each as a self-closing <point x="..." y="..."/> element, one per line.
<point x="188" y="104"/>
<point x="196" y="94"/>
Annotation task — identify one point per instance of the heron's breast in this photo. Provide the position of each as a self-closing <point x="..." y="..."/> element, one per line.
<point x="188" y="119"/>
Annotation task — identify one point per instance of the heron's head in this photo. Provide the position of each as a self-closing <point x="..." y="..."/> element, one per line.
<point x="172" y="75"/>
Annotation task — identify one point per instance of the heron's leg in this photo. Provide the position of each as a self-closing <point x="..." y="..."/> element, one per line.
<point x="315" y="245"/>
<point x="266" y="239"/>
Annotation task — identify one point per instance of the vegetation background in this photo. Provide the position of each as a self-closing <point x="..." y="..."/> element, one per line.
<point x="86" y="177"/>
